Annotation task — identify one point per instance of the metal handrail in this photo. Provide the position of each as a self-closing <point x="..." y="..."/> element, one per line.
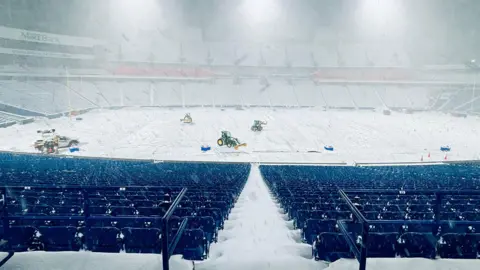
<point x="165" y="245"/>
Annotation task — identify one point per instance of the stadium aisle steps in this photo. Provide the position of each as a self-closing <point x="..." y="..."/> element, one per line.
<point x="256" y="236"/>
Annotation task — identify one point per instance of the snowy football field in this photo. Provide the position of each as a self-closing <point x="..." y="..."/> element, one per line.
<point x="258" y="234"/>
<point x="291" y="135"/>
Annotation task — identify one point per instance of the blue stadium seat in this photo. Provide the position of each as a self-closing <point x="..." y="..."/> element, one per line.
<point x="103" y="239"/>
<point x="123" y="211"/>
<point x="192" y="245"/>
<point x="143" y="203"/>
<point x="316" y="226"/>
<point x="382" y="245"/>
<point x="183" y="212"/>
<point x="98" y="210"/>
<point x="416" y="245"/>
<point x="212" y="190"/>
<point x="215" y="213"/>
<point x="67" y="210"/>
<point x="60" y="238"/>
<point x="19" y="238"/>
<point x="458" y="246"/>
<point x="206" y="224"/>
<point x="331" y="247"/>
<point x="452" y="227"/>
<point x="142" y="240"/>
<point x="150" y="211"/>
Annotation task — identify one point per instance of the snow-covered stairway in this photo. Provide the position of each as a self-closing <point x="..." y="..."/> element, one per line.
<point x="258" y="235"/>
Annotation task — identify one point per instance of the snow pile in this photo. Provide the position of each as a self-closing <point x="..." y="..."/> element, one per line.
<point x="402" y="264"/>
<point x="92" y="260"/>
<point x="257" y="235"/>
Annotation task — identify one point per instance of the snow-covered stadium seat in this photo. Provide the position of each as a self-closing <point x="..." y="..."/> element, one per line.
<point x="246" y="54"/>
<point x="394" y="97"/>
<point x="221" y="53"/>
<point x="8" y="117"/>
<point x="167" y="94"/>
<point x="135" y="93"/>
<point x="419" y="97"/>
<point x="62" y="96"/>
<point x="41" y="96"/>
<point x="300" y="55"/>
<point x="274" y="55"/>
<point x="198" y="94"/>
<point x="225" y="93"/>
<point x="89" y="91"/>
<point x="325" y="55"/>
<point x="308" y="94"/>
<point x="254" y="94"/>
<point x="364" y="96"/>
<point x="282" y="94"/>
<point x="336" y="96"/>
<point x="109" y="91"/>
<point x="353" y="54"/>
<point x="22" y="95"/>
<point x="4" y="120"/>
<point x="387" y="55"/>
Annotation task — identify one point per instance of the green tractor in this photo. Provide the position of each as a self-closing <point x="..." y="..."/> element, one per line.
<point x="229" y="141"/>
<point x="258" y="125"/>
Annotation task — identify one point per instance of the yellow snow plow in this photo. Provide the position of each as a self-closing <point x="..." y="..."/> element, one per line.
<point x="240" y="145"/>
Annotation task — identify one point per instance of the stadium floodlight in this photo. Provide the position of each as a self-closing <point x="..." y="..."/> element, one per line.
<point x="260" y="11"/>
<point x="381" y="16"/>
<point x="134" y="13"/>
<point x="472" y="65"/>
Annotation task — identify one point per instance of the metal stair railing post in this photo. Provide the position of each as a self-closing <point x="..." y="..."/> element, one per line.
<point x="165" y="245"/>
<point x="6" y="226"/>
<point x="363" y="249"/>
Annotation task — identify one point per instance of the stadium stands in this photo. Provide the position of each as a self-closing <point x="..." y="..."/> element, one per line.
<point x="40" y="96"/>
<point x="6" y="118"/>
<point x="337" y="97"/>
<point x="414" y="221"/>
<point x="65" y="204"/>
<point x="364" y="97"/>
<point x="48" y="97"/>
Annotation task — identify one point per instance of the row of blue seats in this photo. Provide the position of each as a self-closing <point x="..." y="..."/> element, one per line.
<point x="309" y="194"/>
<point x="193" y="244"/>
<point x="206" y="223"/>
<point x="333" y="246"/>
<point x="303" y="215"/>
<point x="123" y="199"/>
<point x="314" y="227"/>
<point x="20" y="169"/>
<point x="444" y="177"/>
<point x="51" y="203"/>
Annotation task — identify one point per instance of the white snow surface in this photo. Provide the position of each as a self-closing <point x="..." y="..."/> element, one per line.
<point x="258" y="234"/>
<point x="291" y="135"/>
<point x="407" y="264"/>
<point x="40" y="260"/>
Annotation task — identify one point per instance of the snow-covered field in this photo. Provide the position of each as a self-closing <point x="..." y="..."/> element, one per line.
<point x="292" y="135"/>
<point x="257" y="234"/>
